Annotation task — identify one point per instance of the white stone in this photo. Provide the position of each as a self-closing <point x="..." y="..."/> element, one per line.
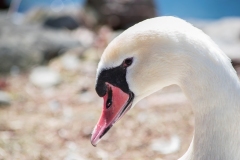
<point x="166" y="146"/>
<point x="5" y="98"/>
<point x="74" y="156"/>
<point x="44" y="77"/>
<point x="85" y="36"/>
<point x="225" y="32"/>
<point x="70" y="62"/>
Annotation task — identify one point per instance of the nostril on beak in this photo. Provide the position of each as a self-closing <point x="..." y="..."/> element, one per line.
<point x="109" y="99"/>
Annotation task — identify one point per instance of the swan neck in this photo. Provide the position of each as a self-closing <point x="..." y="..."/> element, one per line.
<point x="214" y="95"/>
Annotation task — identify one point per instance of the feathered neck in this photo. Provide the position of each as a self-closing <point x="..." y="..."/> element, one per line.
<point x="213" y="88"/>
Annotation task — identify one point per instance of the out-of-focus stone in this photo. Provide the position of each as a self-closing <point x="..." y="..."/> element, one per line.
<point x="25" y="45"/>
<point x="90" y="54"/>
<point x="122" y="14"/>
<point x="74" y="156"/>
<point x="16" y="125"/>
<point x="226" y="33"/>
<point x="102" y="154"/>
<point x="86" y="97"/>
<point x="5" y="98"/>
<point x="73" y="151"/>
<point x="67" y="113"/>
<point x="44" y="77"/>
<point x="3" y="84"/>
<point x="62" y="22"/>
<point x="4" y="4"/>
<point x="166" y="146"/>
<point x="84" y="36"/>
<point x="54" y="106"/>
<point x="70" y="62"/>
<point x="40" y="15"/>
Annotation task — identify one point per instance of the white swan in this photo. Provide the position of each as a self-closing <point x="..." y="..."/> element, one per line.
<point x="162" y="51"/>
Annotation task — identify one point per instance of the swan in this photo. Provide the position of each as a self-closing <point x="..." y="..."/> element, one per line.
<point x="162" y="51"/>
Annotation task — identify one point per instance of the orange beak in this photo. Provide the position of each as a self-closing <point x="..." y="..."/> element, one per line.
<point x="116" y="104"/>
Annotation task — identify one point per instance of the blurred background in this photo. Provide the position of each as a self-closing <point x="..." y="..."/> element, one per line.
<point x="49" y="51"/>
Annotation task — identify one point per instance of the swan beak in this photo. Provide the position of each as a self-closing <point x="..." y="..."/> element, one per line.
<point x="116" y="104"/>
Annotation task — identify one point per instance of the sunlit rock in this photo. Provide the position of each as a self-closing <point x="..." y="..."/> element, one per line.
<point x="166" y="145"/>
<point x="44" y="77"/>
<point x="5" y="98"/>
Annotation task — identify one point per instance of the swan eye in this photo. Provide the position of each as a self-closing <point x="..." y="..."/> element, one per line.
<point x="127" y="62"/>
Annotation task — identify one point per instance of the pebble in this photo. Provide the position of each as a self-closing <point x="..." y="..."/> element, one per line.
<point x="55" y="106"/>
<point x="87" y="97"/>
<point x="67" y="113"/>
<point x="73" y="152"/>
<point x="85" y="36"/>
<point x="225" y="33"/>
<point x="44" y="77"/>
<point x="74" y="156"/>
<point x="5" y="98"/>
<point x="166" y="146"/>
<point x="70" y="62"/>
<point x="102" y="154"/>
<point x="91" y="54"/>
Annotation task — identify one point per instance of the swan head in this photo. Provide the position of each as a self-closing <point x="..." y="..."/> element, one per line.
<point x="143" y="59"/>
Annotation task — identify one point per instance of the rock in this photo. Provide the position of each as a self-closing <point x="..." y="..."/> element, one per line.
<point x="67" y="113"/>
<point x="74" y="156"/>
<point x="39" y="15"/>
<point x="25" y="45"/>
<point x="54" y="106"/>
<point x="44" y="77"/>
<point x="166" y="146"/>
<point x="73" y="150"/>
<point x="86" y="96"/>
<point x="226" y="33"/>
<point x="5" y="98"/>
<point x="54" y="43"/>
<point x="119" y="14"/>
<point x="4" y="4"/>
<point x="90" y="54"/>
<point x="3" y="84"/>
<point x="102" y="154"/>
<point x="62" y="22"/>
<point x="85" y="36"/>
<point x="70" y="62"/>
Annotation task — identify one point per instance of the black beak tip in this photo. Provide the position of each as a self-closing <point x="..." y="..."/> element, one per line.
<point x="94" y="145"/>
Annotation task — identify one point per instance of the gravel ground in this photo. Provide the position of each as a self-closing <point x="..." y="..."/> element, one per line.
<point x="56" y="123"/>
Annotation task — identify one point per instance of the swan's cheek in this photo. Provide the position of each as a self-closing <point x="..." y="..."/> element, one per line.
<point x="133" y="82"/>
<point x="139" y="81"/>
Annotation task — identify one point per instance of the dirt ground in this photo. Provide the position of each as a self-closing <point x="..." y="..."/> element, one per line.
<point x="56" y="123"/>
